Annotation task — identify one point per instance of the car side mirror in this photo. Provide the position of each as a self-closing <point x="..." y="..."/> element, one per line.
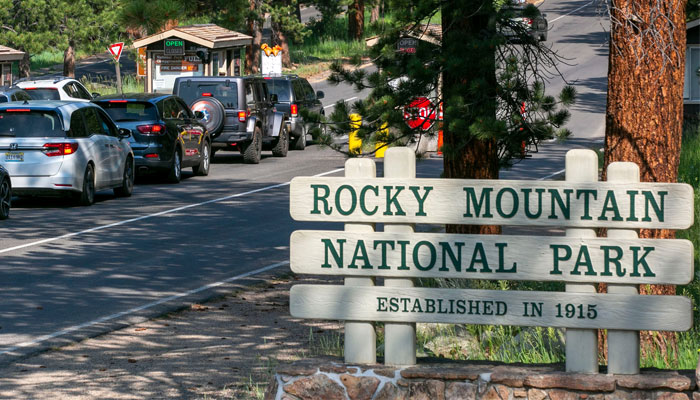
<point x="273" y="98"/>
<point x="124" y="133"/>
<point x="199" y="115"/>
<point x="95" y="95"/>
<point x="320" y="94"/>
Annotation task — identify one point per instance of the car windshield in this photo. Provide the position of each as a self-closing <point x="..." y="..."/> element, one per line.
<point x="280" y="88"/>
<point x="227" y="95"/>
<point x="125" y="111"/>
<point x="43" y="93"/>
<point x="23" y="122"/>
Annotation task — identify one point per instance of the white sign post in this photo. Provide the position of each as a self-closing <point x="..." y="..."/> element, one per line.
<point x="579" y="259"/>
<point x="116" y="51"/>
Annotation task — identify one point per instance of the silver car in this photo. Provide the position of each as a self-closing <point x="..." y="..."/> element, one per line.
<point x="59" y="147"/>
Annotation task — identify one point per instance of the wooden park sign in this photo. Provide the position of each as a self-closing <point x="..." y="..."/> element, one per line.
<point x="499" y="202"/>
<point x="525" y="258"/>
<point x="492" y="307"/>
<point x="579" y="259"/>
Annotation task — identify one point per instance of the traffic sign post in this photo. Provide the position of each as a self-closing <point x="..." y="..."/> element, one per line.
<point x="116" y="50"/>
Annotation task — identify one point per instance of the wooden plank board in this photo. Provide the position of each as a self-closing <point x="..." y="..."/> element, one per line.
<point x="492" y="307"/>
<point x="528" y="258"/>
<point x="492" y="202"/>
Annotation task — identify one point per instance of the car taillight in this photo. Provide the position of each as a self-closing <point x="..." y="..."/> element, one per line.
<point x="151" y="130"/>
<point x="59" y="149"/>
<point x="206" y="94"/>
<point x="295" y="110"/>
<point x="242" y="116"/>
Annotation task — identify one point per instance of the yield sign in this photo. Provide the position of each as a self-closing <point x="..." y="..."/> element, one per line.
<point x="116" y="50"/>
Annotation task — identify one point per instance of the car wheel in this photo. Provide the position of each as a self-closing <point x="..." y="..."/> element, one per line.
<point x="251" y="153"/>
<point x="203" y="168"/>
<point x="5" y="199"/>
<point x="282" y="146"/>
<point x="127" y="186"/>
<point x="87" y="195"/>
<point x="300" y="142"/>
<point x="175" y="171"/>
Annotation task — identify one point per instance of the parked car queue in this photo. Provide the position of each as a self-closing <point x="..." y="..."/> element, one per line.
<point x="68" y="142"/>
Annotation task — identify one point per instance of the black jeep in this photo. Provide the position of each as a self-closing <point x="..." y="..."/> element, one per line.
<point x="238" y="112"/>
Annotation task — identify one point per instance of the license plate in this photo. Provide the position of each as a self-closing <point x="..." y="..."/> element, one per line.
<point x="14" y="157"/>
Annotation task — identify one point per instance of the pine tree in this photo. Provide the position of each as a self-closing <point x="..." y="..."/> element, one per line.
<point x="484" y="81"/>
<point x="644" y="116"/>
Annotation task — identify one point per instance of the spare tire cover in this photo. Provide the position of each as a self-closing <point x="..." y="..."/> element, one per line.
<point x="214" y="113"/>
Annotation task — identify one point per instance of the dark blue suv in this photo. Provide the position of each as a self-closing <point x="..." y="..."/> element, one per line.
<point x="165" y="135"/>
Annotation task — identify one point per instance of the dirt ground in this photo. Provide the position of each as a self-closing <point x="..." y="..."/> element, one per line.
<point x="224" y="349"/>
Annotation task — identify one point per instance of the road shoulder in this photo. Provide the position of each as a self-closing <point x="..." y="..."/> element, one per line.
<point x="226" y="348"/>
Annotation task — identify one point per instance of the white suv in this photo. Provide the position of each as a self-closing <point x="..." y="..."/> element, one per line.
<point x="56" y="88"/>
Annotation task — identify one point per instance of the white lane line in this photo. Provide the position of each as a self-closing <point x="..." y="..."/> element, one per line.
<point x="102" y="227"/>
<point x="571" y="12"/>
<point x="551" y="175"/>
<point x="74" y="328"/>
<point x="333" y="105"/>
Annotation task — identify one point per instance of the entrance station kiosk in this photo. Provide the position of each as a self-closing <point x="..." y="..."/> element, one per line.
<point x="194" y="50"/>
<point x="7" y="57"/>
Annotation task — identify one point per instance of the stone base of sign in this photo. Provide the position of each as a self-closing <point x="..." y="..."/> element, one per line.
<point x="330" y="379"/>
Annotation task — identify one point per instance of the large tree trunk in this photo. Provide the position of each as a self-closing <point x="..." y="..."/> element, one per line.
<point x="374" y="16"/>
<point x="69" y="60"/>
<point x="644" y="114"/>
<point x="252" y="60"/>
<point x="465" y="156"/>
<point x="24" y="65"/>
<point x="356" y="20"/>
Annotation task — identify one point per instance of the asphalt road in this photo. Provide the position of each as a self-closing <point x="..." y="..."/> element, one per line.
<point x="70" y="272"/>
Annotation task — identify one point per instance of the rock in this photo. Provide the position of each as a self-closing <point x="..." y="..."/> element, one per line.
<point x="573" y="381"/>
<point x="453" y="372"/>
<point x="536" y="394"/>
<point x="426" y="390"/>
<point x="504" y="392"/>
<point x="360" y="387"/>
<point x="390" y="392"/>
<point x="671" y="396"/>
<point x="558" y="394"/>
<point x="519" y="393"/>
<point x="648" y="381"/>
<point x="460" y="391"/>
<point x="315" y="387"/>
<point x="490" y="394"/>
<point x="459" y="347"/>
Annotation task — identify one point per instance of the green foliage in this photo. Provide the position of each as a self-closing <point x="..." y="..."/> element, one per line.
<point x="27" y="24"/>
<point x="152" y="16"/>
<point x="87" y="24"/>
<point x="692" y="10"/>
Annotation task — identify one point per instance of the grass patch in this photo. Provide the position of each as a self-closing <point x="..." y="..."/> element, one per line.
<point x="315" y="50"/>
<point x="130" y="84"/>
<point x="50" y="58"/>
